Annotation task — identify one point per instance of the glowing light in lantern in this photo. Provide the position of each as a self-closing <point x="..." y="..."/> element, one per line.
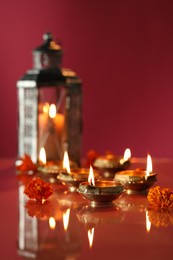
<point x="91" y="236"/>
<point x="52" y="223"/>
<point x="52" y="111"/>
<point x="149" y="168"/>
<point x="148" y="223"/>
<point x="42" y="156"/>
<point x="66" y="216"/>
<point x="66" y="162"/>
<point x="46" y="108"/>
<point x="91" y="177"/>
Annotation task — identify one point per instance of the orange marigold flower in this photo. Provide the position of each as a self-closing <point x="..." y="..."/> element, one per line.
<point x="38" y="189"/>
<point x="26" y="164"/>
<point x="160" y="197"/>
<point x="90" y="157"/>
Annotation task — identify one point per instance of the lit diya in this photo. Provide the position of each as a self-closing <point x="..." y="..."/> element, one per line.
<point x="52" y="168"/>
<point x="137" y="180"/>
<point x="109" y="164"/>
<point x="72" y="178"/>
<point x="100" y="192"/>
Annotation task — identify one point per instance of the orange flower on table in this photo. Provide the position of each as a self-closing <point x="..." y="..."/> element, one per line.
<point x="160" y="197"/>
<point x="38" y="189"/>
<point x="90" y="157"/>
<point x="26" y="164"/>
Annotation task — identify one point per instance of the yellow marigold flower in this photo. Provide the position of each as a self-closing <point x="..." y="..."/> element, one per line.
<point x="160" y="197"/>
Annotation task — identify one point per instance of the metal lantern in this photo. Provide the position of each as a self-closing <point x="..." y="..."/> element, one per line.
<point x="49" y="106"/>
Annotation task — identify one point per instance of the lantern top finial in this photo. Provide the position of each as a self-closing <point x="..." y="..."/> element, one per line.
<point x="49" y="45"/>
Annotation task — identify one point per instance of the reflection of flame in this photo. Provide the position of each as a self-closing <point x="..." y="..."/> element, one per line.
<point x="66" y="162"/>
<point x="148" y="223"/>
<point x="52" y="223"/>
<point x="52" y="111"/>
<point x="42" y="156"/>
<point x="91" y="176"/>
<point x="66" y="216"/>
<point x="91" y="236"/>
<point x="149" y="168"/>
<point x="127" y="154"/>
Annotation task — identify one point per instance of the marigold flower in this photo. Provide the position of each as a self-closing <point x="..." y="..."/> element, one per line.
<point x="160" y="197"/>
<point x="38" y="189"/>
<point x="26" y="164"/>
<point x="90" y="157"/>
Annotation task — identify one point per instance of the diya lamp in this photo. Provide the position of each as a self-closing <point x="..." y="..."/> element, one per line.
<point x="73" y="177"/>
<point x="137" y="180"/>
<point x="100" y="192"/>
<point x="109" y="164"/>
<point x="52" y="168"/>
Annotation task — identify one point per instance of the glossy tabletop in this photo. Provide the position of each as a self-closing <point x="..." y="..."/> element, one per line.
<point x="117" y="232"/>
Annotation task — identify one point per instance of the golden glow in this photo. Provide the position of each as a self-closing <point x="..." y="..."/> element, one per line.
<point x="52" y="111"/>
<point x="52" y="223"/>
<point x="46" y="108"/>
<point x="127" y="154"/>
<point x="66" y="162"/>
<point x="149" y="168"/>
<point x="91" y="236"/>
<point x="148" y="223"/>
<point x="91" y="176"/>
<point x="66" y="216"/>
<point x="42" y="156"/>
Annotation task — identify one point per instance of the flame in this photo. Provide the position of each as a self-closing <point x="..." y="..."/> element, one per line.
<point x="46" y="108"/>
<point x="66" y="216"/>
<point x="91" y="236"/>
<point x="52" y="223"/>
<point x="127" y="154"/>
<point x="66" y="162"/>
<point x="52" y="111"/>
<point x="149" y="168"/>
<point x="91" y="177"/>
<point x="42" y="156"/>
<point x="148" y="223"/>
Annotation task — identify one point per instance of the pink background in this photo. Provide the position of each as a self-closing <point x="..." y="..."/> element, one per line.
<point x="123" y="52"/>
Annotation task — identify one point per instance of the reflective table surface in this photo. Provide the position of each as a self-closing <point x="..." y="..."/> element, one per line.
<point x="67" y="227"/>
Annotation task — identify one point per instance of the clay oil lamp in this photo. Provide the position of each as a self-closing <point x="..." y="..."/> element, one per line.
<point x="109" y="164"/>
<point x="73" y="177"/>
<point x="137" y="180"/>
<point x="100" y="192"/>
<point x="52" y="168"/>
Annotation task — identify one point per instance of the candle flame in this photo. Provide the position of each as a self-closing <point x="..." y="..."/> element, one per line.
<point x="148" y="223"/>
<point x="149" y="168"/>
<point x="42" y="156"/>
<point x="52" y="111"/>
<point x="66" y="162"/>
<point x="91" y="177"/>
<point x="66" y="216"/>
<point x="127" y="154"/>
<point x="91" y="236"/>
<point x="52" y="223"/>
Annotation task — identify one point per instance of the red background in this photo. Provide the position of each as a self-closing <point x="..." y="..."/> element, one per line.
<point x="123" y="52"/>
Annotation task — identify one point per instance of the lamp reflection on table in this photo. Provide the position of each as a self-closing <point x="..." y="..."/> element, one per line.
<point x="47" y="236"/>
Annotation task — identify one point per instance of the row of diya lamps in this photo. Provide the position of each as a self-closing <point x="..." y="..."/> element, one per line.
<point x="106" y="179"/>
